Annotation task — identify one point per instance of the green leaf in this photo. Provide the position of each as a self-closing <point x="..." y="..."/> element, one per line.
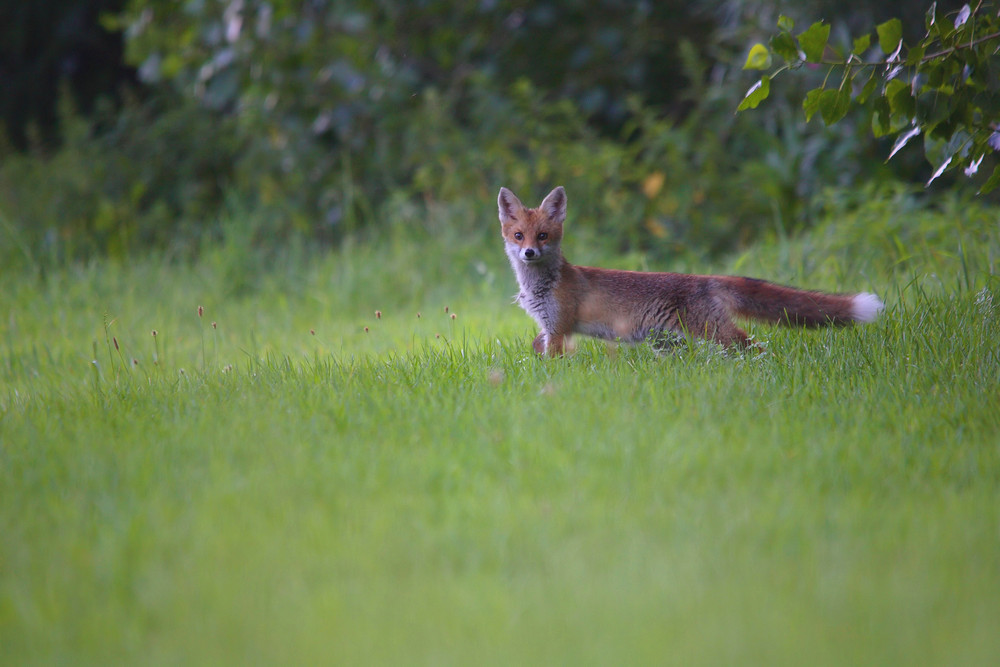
<point x="944" y="30"/>
<point x="932" y="108"/>
<point x="861" y="44"/>
<point x="758" y="58"/>
<point x="900" y="101"/>
<point x="811" y="103"/>
<point x="915" y="55"/>
<point x="943" y="153"/>
<point x="934" y="73"/>
<point x="902" y="140"/>
<point x="943" y="131"/>
<point x="890" y="34"/>
<point x="963" y="16"/>
<point x="171" y="66"/>
<point x="786" y="24"/>
<point x="893" y="87"/>
<point x="813" y="41"/>
<point x="992" y="182"/>
<point x="834" y="104"/>
<point x="940" y="170"/>
<point x="881" y="124"/>
<point x="784" y="45"/>
<point x="973" y="166"/>
<point x="867" y="90"/>
<point x="988" y="102"/>
<point x="758" y="93"/>
<point x="964" y="32"/>
<point x="930" y="17"/>
<point x="983" y="71"/>
<point x="112" y="22"/>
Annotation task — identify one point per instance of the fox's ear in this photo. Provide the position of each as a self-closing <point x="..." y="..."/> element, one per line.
<point x="554" y="205"/>
<point x="510" y="206"/>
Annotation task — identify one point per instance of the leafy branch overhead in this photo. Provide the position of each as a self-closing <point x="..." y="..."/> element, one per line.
<point x="946" y="87"/>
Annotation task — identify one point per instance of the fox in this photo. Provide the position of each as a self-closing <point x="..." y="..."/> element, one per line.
<point x="634" y="306"/>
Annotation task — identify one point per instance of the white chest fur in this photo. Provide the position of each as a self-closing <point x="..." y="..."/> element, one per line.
<point x="537" y="281"/>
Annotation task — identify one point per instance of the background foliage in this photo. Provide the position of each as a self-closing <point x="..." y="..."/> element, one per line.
<point x="945" y="87"/>
<point x="328" y="119"/>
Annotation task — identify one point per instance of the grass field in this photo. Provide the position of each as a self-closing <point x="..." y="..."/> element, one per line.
<point x="286" y="487"/>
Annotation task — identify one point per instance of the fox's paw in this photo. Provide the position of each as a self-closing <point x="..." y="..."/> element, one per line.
<point x="756" y="348"/>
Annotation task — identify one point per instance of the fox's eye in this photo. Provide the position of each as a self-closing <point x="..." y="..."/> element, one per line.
<point x="519" y="236"/>
<point x="542" y="236"/>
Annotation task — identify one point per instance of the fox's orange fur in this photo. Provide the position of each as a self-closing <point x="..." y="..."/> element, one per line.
<point x="631" y="306"/>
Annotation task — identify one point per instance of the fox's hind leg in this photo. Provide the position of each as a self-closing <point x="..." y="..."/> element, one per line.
<point x="732" y="336"/>
<point x="720" y="328"/>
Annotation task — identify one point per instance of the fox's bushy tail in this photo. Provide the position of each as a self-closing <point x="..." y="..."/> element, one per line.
<point x="761" y="300"/>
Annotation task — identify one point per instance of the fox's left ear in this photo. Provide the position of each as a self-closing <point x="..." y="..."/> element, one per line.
<point x="554" y="205"/>
<point x="510" y="206"/>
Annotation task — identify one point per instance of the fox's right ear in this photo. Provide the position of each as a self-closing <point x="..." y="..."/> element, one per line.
<point x="510" y="206"/>
<point x="554" y="205"/>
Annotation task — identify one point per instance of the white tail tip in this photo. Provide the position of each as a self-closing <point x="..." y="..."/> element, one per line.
<point x="866" y="307"/>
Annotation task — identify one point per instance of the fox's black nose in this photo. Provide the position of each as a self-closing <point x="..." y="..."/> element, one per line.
<point x="529" y="253"/>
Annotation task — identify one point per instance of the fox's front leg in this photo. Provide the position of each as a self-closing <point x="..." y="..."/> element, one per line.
<point x="538" y="345"/>
<point x="555" y="347"/>
<point x="553" y="344"/>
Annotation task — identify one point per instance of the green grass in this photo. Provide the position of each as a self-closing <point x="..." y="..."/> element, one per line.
<point x="287" y="488"/>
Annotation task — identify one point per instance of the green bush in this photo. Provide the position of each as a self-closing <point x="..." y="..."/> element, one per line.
<point x="346" y="104"/>
<point x="311" y="123"/>
<point x="151" y="175"/>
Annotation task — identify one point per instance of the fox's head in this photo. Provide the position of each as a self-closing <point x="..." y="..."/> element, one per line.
<point x="532" y="234"/>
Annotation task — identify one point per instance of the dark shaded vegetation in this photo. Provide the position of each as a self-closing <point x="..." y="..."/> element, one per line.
<point x="291" y="121"/>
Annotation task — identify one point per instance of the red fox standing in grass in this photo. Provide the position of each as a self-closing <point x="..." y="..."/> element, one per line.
<point x="632" y="306"/>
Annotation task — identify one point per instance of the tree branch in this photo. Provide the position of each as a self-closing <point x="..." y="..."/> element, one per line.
<point x="957" y="47"/>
